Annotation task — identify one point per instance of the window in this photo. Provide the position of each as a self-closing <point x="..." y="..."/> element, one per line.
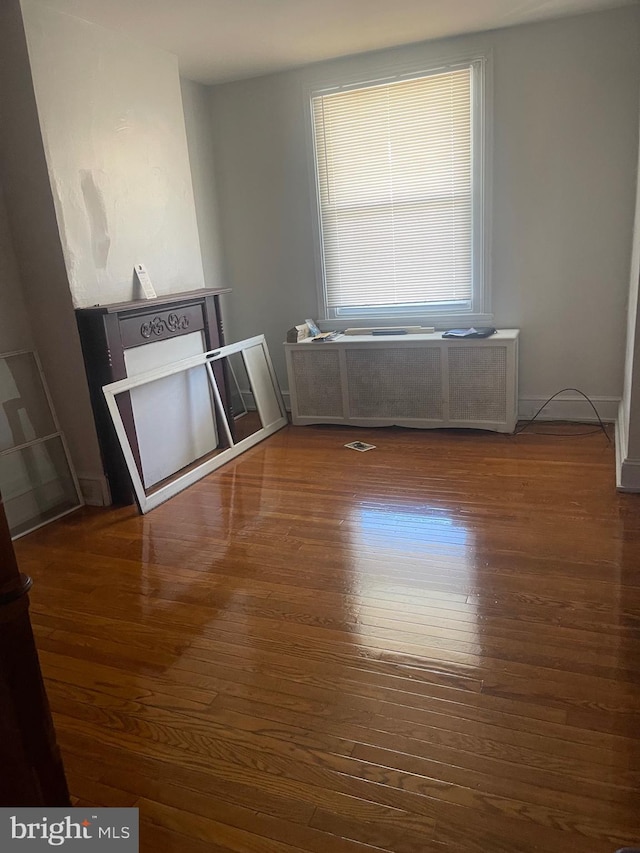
<point x="399" y="168"/>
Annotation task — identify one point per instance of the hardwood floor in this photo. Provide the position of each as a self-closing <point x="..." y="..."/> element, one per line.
<point x="433" y="646"/>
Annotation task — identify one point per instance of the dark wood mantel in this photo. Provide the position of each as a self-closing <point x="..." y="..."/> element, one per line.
<point x="107" y="331"/>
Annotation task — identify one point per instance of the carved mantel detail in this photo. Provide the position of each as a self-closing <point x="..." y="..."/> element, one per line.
<point x="158" y="325"/>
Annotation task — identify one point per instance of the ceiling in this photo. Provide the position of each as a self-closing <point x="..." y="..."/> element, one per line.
<point x="220" y="40"/>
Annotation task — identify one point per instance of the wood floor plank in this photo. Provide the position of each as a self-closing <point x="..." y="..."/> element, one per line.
<point x="211" y="831"/>
<point x="366" y="801"/>
<point x="430" y="648"/>
<point x="462" y="785"/>
<point x="268" y="827"/>
<point x="130" y="773"/>
<point x="156" y="837"/>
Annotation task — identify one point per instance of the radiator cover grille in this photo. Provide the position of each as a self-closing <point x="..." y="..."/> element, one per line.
<point x="477" y="383"/>
<point x="419" y="381"/>
<point x="316" y="375"/>
<point x="395" y="383"/>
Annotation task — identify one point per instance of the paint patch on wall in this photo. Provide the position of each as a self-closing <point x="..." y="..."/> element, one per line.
<point x="70" y="255"/>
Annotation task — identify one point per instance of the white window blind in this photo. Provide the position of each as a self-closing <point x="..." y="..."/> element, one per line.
<point x="395" y="185"/>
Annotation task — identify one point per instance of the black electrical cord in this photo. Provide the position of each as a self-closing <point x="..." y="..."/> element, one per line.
<point x="601" y="427"/>
<point x="566" y="434"/>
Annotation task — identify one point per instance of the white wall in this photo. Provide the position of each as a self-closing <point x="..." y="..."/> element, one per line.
<point x="565" y="149"/>
<point x="195" y="102"/>
<point x="197" y="119"/>
<point x="565" y="129"/>
<point x="96" y="172"/>
<point x="36" y="241"/>
<point x="111" y="117"/>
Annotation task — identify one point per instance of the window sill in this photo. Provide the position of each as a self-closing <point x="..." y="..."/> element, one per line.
<point x="439" y="321"/>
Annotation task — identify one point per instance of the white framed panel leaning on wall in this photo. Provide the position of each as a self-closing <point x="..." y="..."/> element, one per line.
<point x="265" y="413"/>
<point x="400" y="172"/>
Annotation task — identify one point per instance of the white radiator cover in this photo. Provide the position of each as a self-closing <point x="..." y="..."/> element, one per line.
<point x="421" y="381"/>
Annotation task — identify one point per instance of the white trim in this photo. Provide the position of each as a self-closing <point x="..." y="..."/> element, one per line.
<point x="393" y="75"/>
<point x="568" y="409"/>
<point x="373" y="70"/>
<point x="571" y="407"/>
<point x="628" y="475"/>
<point x="439" y="322"/>
<point x="484" y="304"/>
<point x="95" y="490"/>
<point x="376" y="66"/>
<point x="627" y="470"/>
<point x="621" y="432"/>
<point x="180" y="366"/>
<point x="147" y="502"/>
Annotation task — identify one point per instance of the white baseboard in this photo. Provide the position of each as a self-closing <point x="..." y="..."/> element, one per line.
<point x="627" y="475"/>
<point x="627" y="470"/>
<point x="570" y="407"/>
<point x="95" y="490"/>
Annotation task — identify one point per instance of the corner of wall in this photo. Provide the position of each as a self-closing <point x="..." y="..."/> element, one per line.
<point x="36" y="241"/>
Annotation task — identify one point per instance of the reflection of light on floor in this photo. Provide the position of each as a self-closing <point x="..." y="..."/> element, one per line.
<point x="414" y="568"/>
<point x="409" y="527"/>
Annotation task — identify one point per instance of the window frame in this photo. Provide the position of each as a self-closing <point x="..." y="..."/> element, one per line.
<point x="478" y="310"/>
<point x="148" y="498"/>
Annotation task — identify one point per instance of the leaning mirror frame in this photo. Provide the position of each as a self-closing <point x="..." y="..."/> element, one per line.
<point x="268" y="401"/>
